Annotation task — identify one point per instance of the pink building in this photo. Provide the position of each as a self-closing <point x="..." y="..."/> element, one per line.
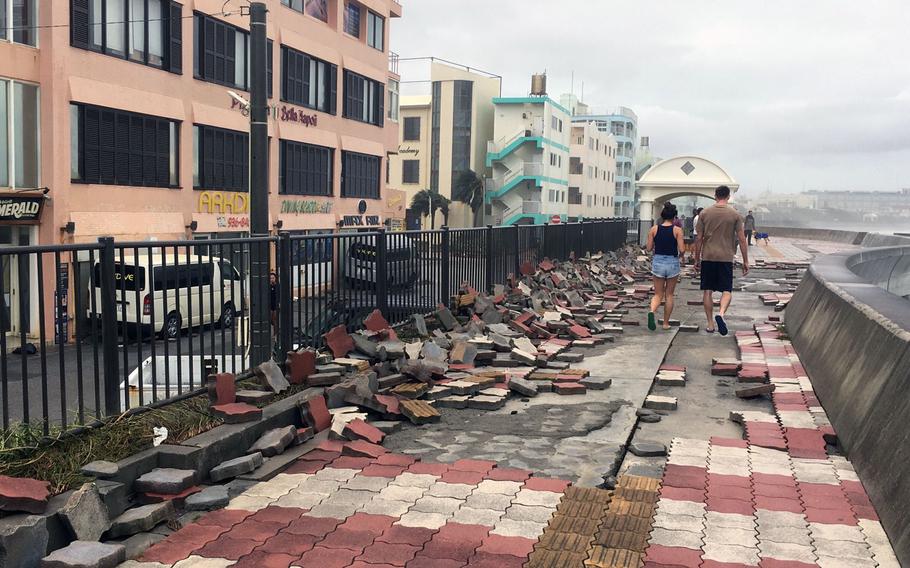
<point x="119" y="113"/>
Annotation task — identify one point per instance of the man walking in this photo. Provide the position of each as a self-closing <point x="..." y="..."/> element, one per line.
<point x="719" y="228"/>
<point x="749" y="227"/>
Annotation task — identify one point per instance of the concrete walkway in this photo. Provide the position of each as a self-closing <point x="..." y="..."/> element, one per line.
<point x="746" y="482"/>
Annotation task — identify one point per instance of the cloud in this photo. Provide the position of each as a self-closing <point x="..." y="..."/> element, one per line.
<point x="814" y="93"/>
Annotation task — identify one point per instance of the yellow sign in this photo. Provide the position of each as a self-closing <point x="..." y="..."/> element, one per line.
<point x="223" y="202"/>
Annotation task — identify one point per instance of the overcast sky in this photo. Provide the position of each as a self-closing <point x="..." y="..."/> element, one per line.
<point x="784" y="94"/>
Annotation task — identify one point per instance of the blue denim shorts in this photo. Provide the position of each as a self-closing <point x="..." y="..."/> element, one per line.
<point x="665" y="266"/>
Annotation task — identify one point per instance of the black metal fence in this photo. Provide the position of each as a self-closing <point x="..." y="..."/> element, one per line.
<point x="94" y="330"/>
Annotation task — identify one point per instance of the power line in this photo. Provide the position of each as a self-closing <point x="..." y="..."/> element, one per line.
<point x="53" y="26"/>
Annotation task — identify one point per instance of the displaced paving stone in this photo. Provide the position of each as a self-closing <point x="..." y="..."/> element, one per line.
<point x="21" y="494"/>
<point x="523" y="387"/>
<point x="85" y="514"/>
<point x="484" y="402"/>
<point x="364" y="345"/>
<point x="724" y="370"/>
<point x="670" y="381"/>
<point x="236" y="413"/>
<point x="460" y="388"/>
<point x="454" y="401"/>
<point x="274" y="442"/>
<point x="270" y="376"/>
<point x="524" y="357"/>
<point x="647" y="449"/>
<point x="446" y="319"/>
<point x="570" y="357"/>
<point x="360" y="430"/>
<point x="168" y="481"/>
<point x="84" y="554"/>
<point x="316" y="413"/>
<point x="141" y="519"/>
<point x="596" y="383"/>
<point x="237" y="466"/>
<point x="656" y="402"/>
<point x="100" y="469"/>
<point x="222" y="388"/>
<point x="23" y="540"/>
<point x="438" y="392"/>
<point x="419" y="412"/>
<point x="376" y="322"/>
<point x="301" y="365"/>
<point x="387" y="426"/>
<point x="569" y="388"/>
<point x="254" y="396"/>
<point x="753" y="392"/>
<point x="209" y="499"/>
<point x="421" y="324"/>
<point x="339" y="342"/>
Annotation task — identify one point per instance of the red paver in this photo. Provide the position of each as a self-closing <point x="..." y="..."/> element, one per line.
<point x="177" y="498"/>
<point x="691" y="470"/>
<point x="415" y="536"/>
<point x="448" y="548"/>
<point x="391" y="403"/>
<point x="509" y="474"/>
<point x="263" y="559"/>
<point x="456" y="476"/>
<point x="729" y="492"/>
<point x="400" y="460"/>
<point x="547" y="484"/>
<point x="363" y="449"/>
<point x="375" y="321"/>
<point x="831" y="516"/>
<point x="236" y="412"/>
<point x="314" y="526"/>
<point x="360" y="430"/>
<point x="569" y="388"/>
<point x="168" y="552"/>
<point x="511" y="545"/>
<point x="427" y="562"/>
<point x="733" y="480"/>
<point x="321" y="557"/>
<point x="349" y="462"/>
<point x="716" y="564"/>
<point x="362" y="564"/>
<point x="685" y="481"/>
<point x="300" y="366"/>
<point x="481" y="466"/>
<point x="673" y="556"/>
<point x="288" y="543"/>
<point x="682" y="494"/>
<point x="388" y="553"/>
<point x="348" y="539"/>
<point x="306" y="466"/>
<point x="376" y="470"/>
<point x="321" y="455"/>
<point x="487" y="560"/>
<point x="225" y="518"/>
<point x="374" y="524"/>
<point x="675" y="368"/>
<point x="275" y="514"/>
<point x="228" y="548"/>
<point x="773" y="563"/>
<point x="223" y="388"/>
<point x="255" y="530"/>
<point x="339" y="341"/>
<point x="459" y="531"/>
<point x="331" y="446"/>
<point x="776" y="491"/>
<point x="771" y="479"/>
<point x="865" y="512"/>
<point x="729" y="442"/>
<point x="317" y="413"/>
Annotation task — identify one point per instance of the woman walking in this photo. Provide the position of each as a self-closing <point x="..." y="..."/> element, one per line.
<point x="666" y="240"/>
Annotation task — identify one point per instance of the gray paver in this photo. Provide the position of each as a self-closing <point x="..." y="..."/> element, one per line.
<point x="663" y="537"/>
<point x="237" y="466"/>
<point x="140" y="519"/>
<point x="529" y="513"/>
<point x="85" y="554"/>
<point x="85" y="515"/>
<point x="165" y="480"/>
<point x="442" y="505"/>
<point x="208" y="499"/>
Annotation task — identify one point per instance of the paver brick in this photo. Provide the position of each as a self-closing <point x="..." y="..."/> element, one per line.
<point x="525" y="529"/>
<point x="673" y="556"/>
<point x="512" y="545"/>
<point x="672" y="538"/>
<point x="731" y="553"/>
<point x="787" y="535"/>
<point x="504" y="488"/>
<point x="546" y="484"/>
<point x="327" y="557"/>
<point x="786" y="551"/>
<point x="421" y="519"/>
<point x="602" y="557"/>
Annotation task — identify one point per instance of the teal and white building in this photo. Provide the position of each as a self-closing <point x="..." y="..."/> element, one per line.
<point x="529" y="160"/>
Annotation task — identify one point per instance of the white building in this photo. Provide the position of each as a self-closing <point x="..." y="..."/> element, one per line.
<point x="592" y="171"/>
<point x="529" y="159"/>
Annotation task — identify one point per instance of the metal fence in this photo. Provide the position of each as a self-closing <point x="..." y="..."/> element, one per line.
<point x="94" y="330"/>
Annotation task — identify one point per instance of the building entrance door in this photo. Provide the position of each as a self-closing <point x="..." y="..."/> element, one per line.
<point x="11" y="321"/>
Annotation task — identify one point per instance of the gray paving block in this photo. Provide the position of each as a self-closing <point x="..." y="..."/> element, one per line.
<point x="647" y="449"/>
<point x="235" y="467"/>
<point x="209" y="499"/>
<point x="657" y="402"/>
<point x="85" y="515"/>
<point x="596" y="383"/>
<point x="101" y="469"/>
<point x="165" y="480"/>
<point x="23" y="540"/>
<point x="85" y="554"/>
<point x="141" y="519"/>
<point x="274" y="441"/>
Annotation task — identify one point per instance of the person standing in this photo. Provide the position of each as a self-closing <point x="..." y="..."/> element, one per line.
<point x="749" y="227"/>
<point x="666" y="240"/>
<point x="273" y="301"/>
<point x="719" y="227"/>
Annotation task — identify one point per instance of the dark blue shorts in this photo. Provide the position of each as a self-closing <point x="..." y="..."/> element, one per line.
<point x="717" y="276"/>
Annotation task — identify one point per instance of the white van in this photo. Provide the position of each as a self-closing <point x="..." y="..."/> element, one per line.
<point x="181" y="291"/>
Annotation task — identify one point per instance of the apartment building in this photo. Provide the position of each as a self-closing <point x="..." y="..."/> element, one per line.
<point x="118" y="120"/>
<point x="529" y="158"/>
<point x="592" y="171"/>
<point x="446" y="122"/>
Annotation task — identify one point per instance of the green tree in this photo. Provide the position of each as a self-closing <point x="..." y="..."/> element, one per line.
<point x="469" y="190"/>
<point x="427" y="202"/>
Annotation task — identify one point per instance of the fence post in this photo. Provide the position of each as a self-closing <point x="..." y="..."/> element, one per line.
<point x="285" y="288"/>
<point x="445" y="265"/>
<point x="108" y="307"/>
<point x="488" y="235"/>
<point x="382" y="281"/>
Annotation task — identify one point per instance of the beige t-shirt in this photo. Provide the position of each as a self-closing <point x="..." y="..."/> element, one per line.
<point x="718" y="227"/>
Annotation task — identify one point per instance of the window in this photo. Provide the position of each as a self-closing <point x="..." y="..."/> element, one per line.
<point x="307" y="81"/>
<point x="306" y="169"/>
<point x="575" y="166"/>
<point x="435" y="135"/>
<point x="393" y="100"/>
<point x="317" y="8"/>
<point x="375" y="31"/>
<point x="222" y="53"/>
<point x="221" y="159"/>
<point x="115" y="147"/>
<point x="143" y="31"/>
<point x="363" y="99"/>
<point x="19" y="153"/>
<point x="360" y="175"/>
<point x="575" y="196"/>
<point x="18" y="19"/>
<point x="411" y="128"/>
<point x="410" y="172"/>
<point x="352" y="19"/>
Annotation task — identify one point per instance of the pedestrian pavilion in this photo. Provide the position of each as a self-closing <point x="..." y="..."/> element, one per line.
<point x="679" y="177"/>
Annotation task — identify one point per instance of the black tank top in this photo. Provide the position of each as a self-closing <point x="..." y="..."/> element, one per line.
<point x="665" y="241"/>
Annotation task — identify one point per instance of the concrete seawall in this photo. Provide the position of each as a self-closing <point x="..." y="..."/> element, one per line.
<point x="858" y="238"/>
<point x="854" y="340"/>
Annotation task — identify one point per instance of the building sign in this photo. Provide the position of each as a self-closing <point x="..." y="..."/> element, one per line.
<point x="233" y="222"/>
<point x="20" y="210"/>
<point x="360" y="220"/>
<point x="298" y="206"/>
<point x="408" y="150"/>
<point x="283" y="113"/>
<point x="61" y="316"/>
<point x="396" y="225"/>
<point x="223" y="202"/>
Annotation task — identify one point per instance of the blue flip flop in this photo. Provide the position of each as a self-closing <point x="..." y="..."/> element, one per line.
<point x="721" y="325"/>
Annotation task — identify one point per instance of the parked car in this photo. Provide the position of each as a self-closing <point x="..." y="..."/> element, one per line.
<point x="402" y="264"/>
<point x="167" y="293"/>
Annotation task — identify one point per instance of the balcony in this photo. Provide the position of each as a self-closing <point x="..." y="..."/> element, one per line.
<point x="524" y="169"/>
<point x="535" y="128"/>
<point x="394" y="58"/>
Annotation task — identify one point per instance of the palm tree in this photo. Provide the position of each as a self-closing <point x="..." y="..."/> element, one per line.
<point x="427" y="202"/>
<point x="469" y="189"/>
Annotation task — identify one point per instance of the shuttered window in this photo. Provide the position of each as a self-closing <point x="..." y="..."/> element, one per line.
<point x="222" y="54"/>
<point x="307" y="81"/>
<point x="360" y="175"/>
<point x="143" y="31"/>
<point x="305" y="169"/>
<point x="115" y="147"/>
<point x="410" y="171"/>
<point x="364" y="99"/>
<point x="222" y="159"/>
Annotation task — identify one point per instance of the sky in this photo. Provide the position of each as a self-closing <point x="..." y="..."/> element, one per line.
<point x="786" y="95"/>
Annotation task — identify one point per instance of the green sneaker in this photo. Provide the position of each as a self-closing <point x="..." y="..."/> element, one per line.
<point x="652" y="323"/>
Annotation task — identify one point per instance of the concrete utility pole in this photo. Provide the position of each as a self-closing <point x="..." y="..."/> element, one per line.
<point x="260" y="325"/>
